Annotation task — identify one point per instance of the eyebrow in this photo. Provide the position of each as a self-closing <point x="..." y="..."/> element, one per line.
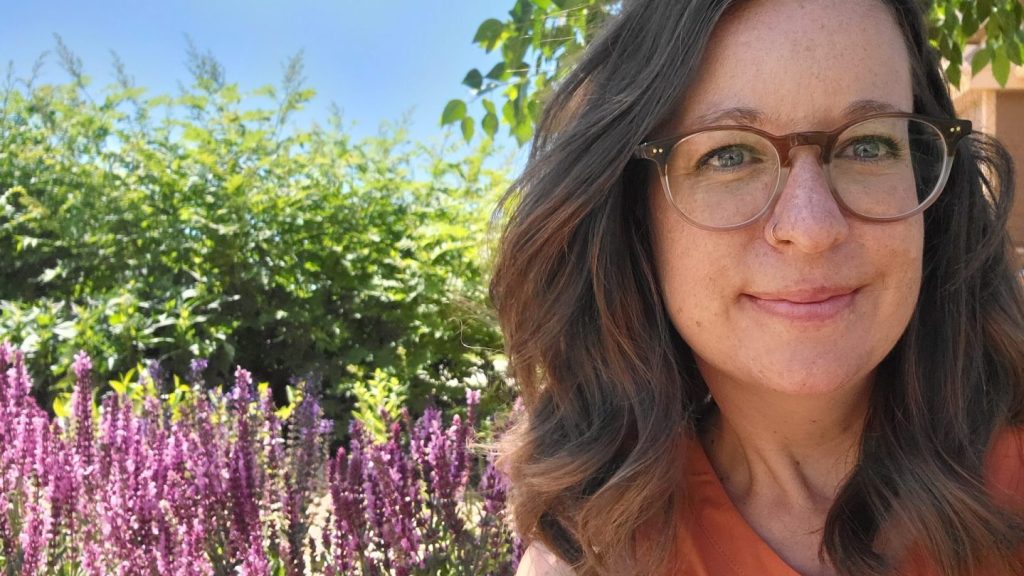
<point x="743" y="115"/>
<point x="865" y="107"/>
<point x="735" y="115"/>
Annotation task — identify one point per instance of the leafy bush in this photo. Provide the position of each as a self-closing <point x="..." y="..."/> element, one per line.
<point x="201" y="225"/>
<point x="211" y="483"/>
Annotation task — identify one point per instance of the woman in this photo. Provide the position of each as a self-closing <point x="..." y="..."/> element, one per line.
<point x="759" y="300"/>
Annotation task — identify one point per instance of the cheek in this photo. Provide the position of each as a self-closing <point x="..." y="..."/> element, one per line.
<point x="905" y="280"/>
<point x="900" y="255"/>
<point x="694" y="271"/>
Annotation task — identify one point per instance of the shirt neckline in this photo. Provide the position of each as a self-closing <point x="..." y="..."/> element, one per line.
<point x="723" y="527"/>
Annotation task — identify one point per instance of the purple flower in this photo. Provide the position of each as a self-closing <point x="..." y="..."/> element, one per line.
<point x="196" y="370"/>
<point x="494" y="488"/>
<point x="82" y="366"/>
<point x="82" y="414"/>
<point x="255" y="562"/>
<point x="242" y="475"/>
<point x="223" y="485"/>
<point x="343" y="534"/>
<point x="6" y="535"/>
<point x="35" y="533"/>
<point x="156" y="373"/>
<point x="242" y="393"/>
<point x="306" y="446"/>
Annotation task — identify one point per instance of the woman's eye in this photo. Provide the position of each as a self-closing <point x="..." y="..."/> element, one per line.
<point x="871" y="148"/>
<point x="726" y="157"/>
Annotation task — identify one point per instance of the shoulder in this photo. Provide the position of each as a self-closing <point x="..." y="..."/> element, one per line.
<point x="538" y="560"/>
<point x="1005" y="467"/>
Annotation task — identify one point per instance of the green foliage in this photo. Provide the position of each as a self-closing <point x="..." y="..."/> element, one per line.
<point x="537" y="44"/>
<point x="999" y="24"/>
<point x="142" y="227"/>
<point x="379" y="400"/>
<point x="540" y="39"/>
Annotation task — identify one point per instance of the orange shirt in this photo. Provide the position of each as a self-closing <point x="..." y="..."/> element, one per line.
<point x="717" y="541"/>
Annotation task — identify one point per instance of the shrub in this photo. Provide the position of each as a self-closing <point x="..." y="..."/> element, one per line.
<point x="202" y="225"/>
<point x="205" y="482"/>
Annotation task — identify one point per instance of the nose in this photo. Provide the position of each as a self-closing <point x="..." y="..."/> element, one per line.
<point x="806" y="216"/>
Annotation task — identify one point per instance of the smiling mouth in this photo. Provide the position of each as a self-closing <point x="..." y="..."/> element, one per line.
<point x="815" y="305"/>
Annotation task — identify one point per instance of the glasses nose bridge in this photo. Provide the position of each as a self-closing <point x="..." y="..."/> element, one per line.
<point x="786" y="144"/>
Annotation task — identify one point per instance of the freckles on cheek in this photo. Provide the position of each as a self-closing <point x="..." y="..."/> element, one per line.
<point x="693" y="297"/>
<point x="692" y="269"/>
<point x="904" y="260"/>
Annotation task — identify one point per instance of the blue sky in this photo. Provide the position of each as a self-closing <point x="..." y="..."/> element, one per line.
<point x="377" y="59"/>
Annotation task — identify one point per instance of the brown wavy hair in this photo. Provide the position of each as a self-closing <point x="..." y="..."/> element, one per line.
<point x="611" y="390"/>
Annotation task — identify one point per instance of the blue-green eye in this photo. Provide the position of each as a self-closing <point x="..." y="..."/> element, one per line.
<point x="869" y="148"/>
<point x="727" y="157"/>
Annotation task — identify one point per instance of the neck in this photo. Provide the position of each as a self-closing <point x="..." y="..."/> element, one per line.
<point x="783" y="449"/>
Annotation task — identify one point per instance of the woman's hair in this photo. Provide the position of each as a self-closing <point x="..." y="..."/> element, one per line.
<point x="611" y="391"/>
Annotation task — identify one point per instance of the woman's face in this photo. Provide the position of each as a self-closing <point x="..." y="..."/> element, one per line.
<point x="817" y="306"/>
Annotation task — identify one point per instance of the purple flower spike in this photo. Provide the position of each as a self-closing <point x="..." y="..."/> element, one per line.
<point x="196" y="370"/>
<point x="494" y="487"/>
<point x="222" y="484"/>
<point x="243" y="385"/>
<point x="156" y="373"/>
<point x="255" y="563"/>
<point x="82" y="414"/>
<point x="242" y="473"/>
<point x="82" y="366"/>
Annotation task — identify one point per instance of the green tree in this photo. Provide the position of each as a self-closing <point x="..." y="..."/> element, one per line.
<point x="539" y="40"/>
<point x="168" y="228"/>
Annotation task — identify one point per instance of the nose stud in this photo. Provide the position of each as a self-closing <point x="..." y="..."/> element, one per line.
<point x="771" y="232"/>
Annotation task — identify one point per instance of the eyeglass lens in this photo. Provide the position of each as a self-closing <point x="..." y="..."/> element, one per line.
<point x="879" y="168"/>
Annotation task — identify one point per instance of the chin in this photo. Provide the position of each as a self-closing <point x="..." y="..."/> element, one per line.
<point x="823" y="375"/>
<point x="799" y="382"/>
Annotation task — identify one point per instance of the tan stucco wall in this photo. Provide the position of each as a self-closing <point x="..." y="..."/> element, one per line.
<point x="998" y="111"/>
<point x="1009" y="129"/>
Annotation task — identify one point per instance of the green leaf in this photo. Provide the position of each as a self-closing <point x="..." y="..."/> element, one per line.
<point x="953" y="73"/>
<point x="66" y="330"/>
<point x="1014" y="51"/>
<point x="49" y="274"/>
<point x="983" y="8"/>
<point x="488" y="34"/>
<point x="992" y="28"/>
<point x="490" y="124"/>
<point x="62" y="405"/>
<point x="489" y="106"/>
<point x="497" y="72"/>
<point x="121" y="386"/>
<point x="234" y="182"/>
<point x="468" y="126"/>
<point x="981" y="59"/>
<point x="523" y="132"/>
<point x="508" y="113"/>
<point x="473" y="79"/>
<point x="1001" y="67"/>
<point x="454" y="111"/>
<point x="970" y="23"/>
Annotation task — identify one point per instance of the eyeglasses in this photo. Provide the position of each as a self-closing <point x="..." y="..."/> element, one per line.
<point x="882" y="167"/>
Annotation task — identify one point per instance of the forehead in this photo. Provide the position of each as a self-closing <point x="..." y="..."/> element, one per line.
<point x="801" y="64"/>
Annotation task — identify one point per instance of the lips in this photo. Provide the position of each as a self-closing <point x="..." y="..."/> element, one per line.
<point x="815" y="304"/>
